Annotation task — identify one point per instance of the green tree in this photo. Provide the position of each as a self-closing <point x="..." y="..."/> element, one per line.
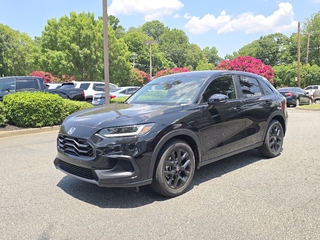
<point x="205" y="65"/>
<point x="194" y="56"/>
<point x="273" y="49"/>
<point x="73" y="45"/>
<point x="118" y="29"/>
<point x="212" y="55"/>
<point x="153" y="29"/>
<point x="174" y="44"/>
<point x="140" y="52"/>
<point x="311" y="30"/>
<point x="17" y="52"/>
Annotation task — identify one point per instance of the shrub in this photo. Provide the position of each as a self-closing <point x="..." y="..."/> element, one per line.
<point x="38" y="109"/>
<point x="248" y="64"/>
<point x="73" y="106"/>
<point x="3" y="118"/>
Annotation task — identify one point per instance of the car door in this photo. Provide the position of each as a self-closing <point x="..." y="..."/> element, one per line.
<point x="222" y="126"/>
<point x="304" y="99"/>
<point x="257" y="104"/>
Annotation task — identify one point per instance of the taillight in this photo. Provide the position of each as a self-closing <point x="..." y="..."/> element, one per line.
<point x="289" y="94"/>
<point x="112" y="96"/>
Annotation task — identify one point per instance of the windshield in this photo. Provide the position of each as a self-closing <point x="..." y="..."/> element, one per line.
<point x="169" y="90"/>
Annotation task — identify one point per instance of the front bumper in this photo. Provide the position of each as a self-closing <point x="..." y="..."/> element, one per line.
<point x="112" y="164"/>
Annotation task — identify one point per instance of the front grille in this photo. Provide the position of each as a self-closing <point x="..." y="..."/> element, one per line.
<point x="76" y="170"/>
<point x="75" y="146"/>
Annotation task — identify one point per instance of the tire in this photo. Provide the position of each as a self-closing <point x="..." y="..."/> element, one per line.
<point x="317" y="101"/>
<point x="273" y="142"/>
<point x="297" y="102"/>
<point x="175" y="169"/>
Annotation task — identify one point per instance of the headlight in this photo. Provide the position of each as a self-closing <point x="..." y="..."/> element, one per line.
<point x="126" y="131"/>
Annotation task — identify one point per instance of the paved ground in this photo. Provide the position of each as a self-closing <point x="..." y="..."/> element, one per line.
<point x="242" y="197"/>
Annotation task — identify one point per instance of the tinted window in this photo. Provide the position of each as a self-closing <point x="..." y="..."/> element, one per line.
<point x="27" y="84"/>
<point x="84" y="86"/>
<point x="222" y="85"/>
<point x="249" y="86"/>
<point x="132" y="90"/>
<point x="8" y="85"/>
<point x="267" y="87"/>
<point x="98" y="86"/>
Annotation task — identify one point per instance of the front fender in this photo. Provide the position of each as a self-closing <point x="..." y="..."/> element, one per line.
<point x="179" y="133"/>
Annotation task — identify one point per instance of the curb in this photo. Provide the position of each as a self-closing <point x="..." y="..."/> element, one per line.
<point x="5" y="134"/>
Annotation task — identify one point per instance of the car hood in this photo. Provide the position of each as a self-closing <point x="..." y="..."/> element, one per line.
<point x="87" y="122"/>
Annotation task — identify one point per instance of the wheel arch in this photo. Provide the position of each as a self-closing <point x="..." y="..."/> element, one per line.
<point x="181" y="134"/>
<point x="280" y="118"/>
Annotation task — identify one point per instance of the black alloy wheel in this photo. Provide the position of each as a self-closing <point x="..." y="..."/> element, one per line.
<point x="175" y="169"/>
<point x="273" y="142"/>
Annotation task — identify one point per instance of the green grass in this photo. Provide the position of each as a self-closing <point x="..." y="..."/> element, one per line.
<point x="310" y="107"/>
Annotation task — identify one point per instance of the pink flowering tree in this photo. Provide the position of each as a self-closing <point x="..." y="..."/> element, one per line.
<point x="169" y="71"/>
<point x="138" y="77"/>
<point x="248" y="64"/>
<point x="47" y="77"/>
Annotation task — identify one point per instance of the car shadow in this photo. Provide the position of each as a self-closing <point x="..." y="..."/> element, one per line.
<point x="130" y="198"/>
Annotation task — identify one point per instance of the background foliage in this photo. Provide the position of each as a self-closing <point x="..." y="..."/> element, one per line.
<point x="71" y="48"/>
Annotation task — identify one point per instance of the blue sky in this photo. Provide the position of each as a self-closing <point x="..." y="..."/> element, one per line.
<point x="228" y="25"/>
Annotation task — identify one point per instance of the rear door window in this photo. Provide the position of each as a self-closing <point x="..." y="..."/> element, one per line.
<point x="249" y="86"/>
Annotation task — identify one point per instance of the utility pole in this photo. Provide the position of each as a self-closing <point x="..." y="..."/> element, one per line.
<point x="106" y="50"/>
<point x="150" y="42"/>
<point x="299" y="81"/>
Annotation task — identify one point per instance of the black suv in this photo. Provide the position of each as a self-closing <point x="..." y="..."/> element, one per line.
<point x="170" y="127"/>
<point x="20" y="83"/>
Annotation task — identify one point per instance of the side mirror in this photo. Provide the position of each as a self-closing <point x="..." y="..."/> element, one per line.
<point x="217" y="99"/>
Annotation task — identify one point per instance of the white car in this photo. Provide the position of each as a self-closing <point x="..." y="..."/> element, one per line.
<point x="90" y="88"/>
<point x="123" y="91"/>
<point x="99" y="98"/>
<point x="310" y="89"/>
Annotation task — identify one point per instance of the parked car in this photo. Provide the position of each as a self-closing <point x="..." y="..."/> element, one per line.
<point x="53" y="85"/>
<point x="68" y="91"/>
<point x="316" y="96"/>
<point x="295" y="96"/>
<point x="100" y="97"/>
<point x="20" y="83"/>
<point x="172" y="126"/>
<point x="90" y="88"/>
<point x="32" y="83"/>
<point x="310" y="89"/>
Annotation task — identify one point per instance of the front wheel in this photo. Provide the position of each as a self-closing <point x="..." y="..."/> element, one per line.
<point x="272" y="145"/>
<point x="297" y="102"/>
<point x="175" y="169"/>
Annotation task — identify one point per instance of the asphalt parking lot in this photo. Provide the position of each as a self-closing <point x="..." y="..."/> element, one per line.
<point x="242" y="197"/>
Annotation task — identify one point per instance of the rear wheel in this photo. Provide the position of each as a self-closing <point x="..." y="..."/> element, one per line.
<point x="175" y="169"/>
<point x="272" y="145"/>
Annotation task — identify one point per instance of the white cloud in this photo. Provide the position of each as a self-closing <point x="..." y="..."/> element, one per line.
<point x="152" y="9"/>
<point x="197" y="25"/>
<point x="176" y="16"/>
<point x="280" y="21"/>
<point x="187" y="16"/>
